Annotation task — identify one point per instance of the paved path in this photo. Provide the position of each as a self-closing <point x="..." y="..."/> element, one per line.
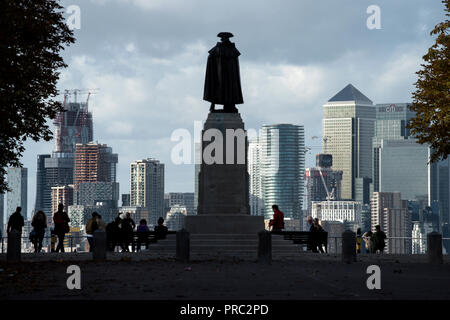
<point x="312" y="277"/>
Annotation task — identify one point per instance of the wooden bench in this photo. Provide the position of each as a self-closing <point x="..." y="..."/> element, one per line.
<point x="305" y="237"/>
<point x="142" y="237"/>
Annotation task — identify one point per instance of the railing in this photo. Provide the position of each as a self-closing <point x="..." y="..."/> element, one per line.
<point x="74" y="243"/>
<point x="394" y="245"/>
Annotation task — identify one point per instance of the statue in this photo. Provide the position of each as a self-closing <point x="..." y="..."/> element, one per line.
<point x="222" y="81"/>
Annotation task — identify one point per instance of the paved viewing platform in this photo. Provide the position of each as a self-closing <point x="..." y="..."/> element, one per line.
<point x="149" y="275"/>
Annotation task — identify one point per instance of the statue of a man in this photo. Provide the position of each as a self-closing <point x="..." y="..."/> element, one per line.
<point x="222" y="81"/>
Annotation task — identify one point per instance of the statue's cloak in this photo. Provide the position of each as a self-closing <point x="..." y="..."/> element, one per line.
<point x="222" y="80"/>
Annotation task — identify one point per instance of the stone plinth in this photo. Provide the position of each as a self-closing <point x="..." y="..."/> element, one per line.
<point x="223" y="203"/>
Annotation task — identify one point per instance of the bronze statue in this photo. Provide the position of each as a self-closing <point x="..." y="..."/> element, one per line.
<point x="222" y="81"/>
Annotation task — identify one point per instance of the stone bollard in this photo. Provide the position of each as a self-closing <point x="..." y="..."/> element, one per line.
<point x="14" y="244"/>
<point x="264" y="247"/>
<point x="183" y="245"/>
<point x="99" y="250"/>
<point x="434" y="248"/>
<point x="348" y="246"/>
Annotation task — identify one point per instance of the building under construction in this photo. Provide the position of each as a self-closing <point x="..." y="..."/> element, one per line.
<point x="322" y="182"/>
<point x="73" y="125"/>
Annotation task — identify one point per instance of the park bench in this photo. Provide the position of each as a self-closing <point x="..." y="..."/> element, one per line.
<point x="304" y="237"/>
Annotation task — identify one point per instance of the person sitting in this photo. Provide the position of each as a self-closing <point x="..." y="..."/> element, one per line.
<point x="277" y="223"/>
<point x="160" y="229"/>
<point x="143" y="231"/>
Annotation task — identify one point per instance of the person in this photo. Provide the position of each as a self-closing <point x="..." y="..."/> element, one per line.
<point x="39" y="224"/>
<point x="15" y="221"/>
<point x="309" y="223"/>
<point x="143" y="232"/>
<point x="61" y="221"/>
<point x="367" y="236"/>
<point x="127" y="226"/>
<point x="379" y="237"/>
<point x="113" y="234"/>
<point x="277" y="223"/>
<point x="358" y="240"/>
<point x="91" y="227"/>
<point x="101" y="224"/>
<point x="160" y="229"/>
<point x="316" y="239"/>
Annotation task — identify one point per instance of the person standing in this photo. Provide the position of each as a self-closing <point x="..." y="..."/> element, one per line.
<point x="39" y="224"/>
<point x="128" y="225"/>
<point x="15" y="221"/>
<point x="378" y="238"/>
<point x="316" y="237"/>
<point x="277" y="223"/>
<point x="367" y="236"/>
<point x="61" y="221"/>
<point x="358" y="240"/>
<point x="91" y="227"/>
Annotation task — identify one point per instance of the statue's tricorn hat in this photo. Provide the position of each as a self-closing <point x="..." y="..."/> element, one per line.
<point x="225" y="35"/>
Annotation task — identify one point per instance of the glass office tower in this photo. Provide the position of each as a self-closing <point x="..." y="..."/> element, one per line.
<point x="282" y="168"/>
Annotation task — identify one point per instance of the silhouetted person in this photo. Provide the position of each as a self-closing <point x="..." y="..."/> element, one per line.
<point x="358" y="240"/>
<point x="39" y="224"/>
<point x="15" y="221"/>
<point x="61" y="221"/>
<point x="160" y="229"/>
<point x="367" y="236"/>
<point x="222" y="80"/>
<point x="378" y="239"/>
<point x="113" y="234"/>
<point x="91" y="227"/>
<point x="316" y="238"/>
<point x="143" y="232"/>
<point x="100" y="222"/>
<point x="128" y="225"/>
<point x="277" y="223"/>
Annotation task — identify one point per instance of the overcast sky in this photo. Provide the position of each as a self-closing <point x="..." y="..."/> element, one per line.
<point x="148" y="59"/>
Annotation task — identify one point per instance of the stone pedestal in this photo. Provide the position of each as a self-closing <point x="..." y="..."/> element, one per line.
<point x="348" y="246"/>
<point x="223" y="203"/>
<point x="434" y="248"/>
<point x="14" y="246"/>
<point x="99" y="252"/>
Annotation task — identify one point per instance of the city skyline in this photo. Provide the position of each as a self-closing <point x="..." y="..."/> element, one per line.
<point x="138" y="75"/>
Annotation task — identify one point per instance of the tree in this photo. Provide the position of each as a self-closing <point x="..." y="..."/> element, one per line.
<point x="431" y="103"/>
<point x="32" y="34"/>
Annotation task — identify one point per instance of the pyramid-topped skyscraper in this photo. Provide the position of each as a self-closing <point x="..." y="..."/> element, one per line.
<point x="348" y="127"/>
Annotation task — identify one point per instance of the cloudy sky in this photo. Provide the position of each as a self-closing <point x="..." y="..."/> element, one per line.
<point x="148" y="59"/>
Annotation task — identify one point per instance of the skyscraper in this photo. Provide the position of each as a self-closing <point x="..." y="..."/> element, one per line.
<point x="348" y="128"/>
<point x="255" y="182"/>
<point x="94" y="163"/>
<point x="18" y="184"/>
<point x="391" y="213"/>
<point x="282" y="168"/>
<point x="95" y="179"/>
<point x="147" y="185"/>
<point x="2" y="212"/>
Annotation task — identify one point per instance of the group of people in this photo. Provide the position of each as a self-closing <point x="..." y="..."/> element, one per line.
<point x="374" y="241"/>
<point x="120" y="232"/>
<point x="39" y="223"/>
<point x="313" y="225"/>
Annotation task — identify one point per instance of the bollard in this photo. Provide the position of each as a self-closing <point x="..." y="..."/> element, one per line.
<point x="183" y="245"/>
<point x="14" y="244"/>
<point x="265" y="247"/>
<point x="99" y="250"/>
<point x="348" y="246"/>
<point x="434" y="248"/>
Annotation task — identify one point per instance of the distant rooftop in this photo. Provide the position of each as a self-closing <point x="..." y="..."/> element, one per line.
<point x="350" y="93"/>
